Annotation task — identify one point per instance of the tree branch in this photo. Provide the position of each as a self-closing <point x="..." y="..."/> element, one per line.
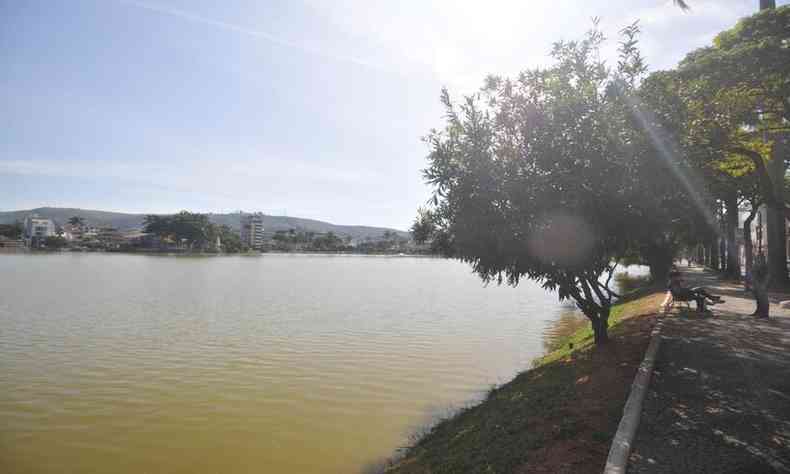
<point x="763" y="177"/>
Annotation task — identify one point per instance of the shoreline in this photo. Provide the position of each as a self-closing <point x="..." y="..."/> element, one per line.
<point x="170" y="253"/>
<point x="558" y="416"/>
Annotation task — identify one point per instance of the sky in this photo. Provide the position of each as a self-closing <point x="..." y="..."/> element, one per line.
<point x="308" y="108"/>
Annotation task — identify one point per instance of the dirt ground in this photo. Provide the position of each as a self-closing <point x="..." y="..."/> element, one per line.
<point x="602" y="388"/>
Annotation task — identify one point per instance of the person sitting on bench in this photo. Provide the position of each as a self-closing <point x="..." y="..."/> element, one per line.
<point x="698" y="295"/>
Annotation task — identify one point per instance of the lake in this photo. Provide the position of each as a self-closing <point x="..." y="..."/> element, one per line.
<point x="272" y="364"/>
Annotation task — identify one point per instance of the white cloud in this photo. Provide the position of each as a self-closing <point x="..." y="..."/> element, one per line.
<point x="252" y="33"/>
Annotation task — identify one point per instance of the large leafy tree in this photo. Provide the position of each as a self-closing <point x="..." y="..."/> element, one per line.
<point x="535" y="177"/>
<point x="12" y="231"/>
<point x="671" y="198"/>
<point x="739" y="93"/>
<point x="423" y="228"/>
<point x="194" y="229"/>
<point x="231" y="241"/>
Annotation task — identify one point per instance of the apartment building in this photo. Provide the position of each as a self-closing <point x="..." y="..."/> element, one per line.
<point x="36" y="229"/>
<point x="252" y="230"/>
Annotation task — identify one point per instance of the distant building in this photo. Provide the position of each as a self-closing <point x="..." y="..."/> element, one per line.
<point x="89" y="233"/>
<point x="71" y="232"/>
<point x="36" y="229"/>
<point x="252" y="230"/>
<point x="110" y="237"/>
<point x="139" y="239"/>
<point x="11" y="245"/>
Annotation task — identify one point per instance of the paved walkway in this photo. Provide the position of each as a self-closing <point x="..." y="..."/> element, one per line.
<point x="719" y="400"/>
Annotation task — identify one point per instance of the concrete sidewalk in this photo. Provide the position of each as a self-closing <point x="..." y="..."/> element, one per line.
<point x="719" y="400"/>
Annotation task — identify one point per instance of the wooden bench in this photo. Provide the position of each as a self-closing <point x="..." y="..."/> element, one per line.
<point x="673" y="298"/>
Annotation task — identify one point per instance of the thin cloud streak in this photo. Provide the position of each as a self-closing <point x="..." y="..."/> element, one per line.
<point x="222" y="25"/>
<point x="207" y="170"/>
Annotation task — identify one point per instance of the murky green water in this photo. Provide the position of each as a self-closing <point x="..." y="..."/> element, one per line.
<point x="277" y="364"/>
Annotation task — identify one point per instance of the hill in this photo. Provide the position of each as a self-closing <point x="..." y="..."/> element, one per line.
<point x="126" y="221"/>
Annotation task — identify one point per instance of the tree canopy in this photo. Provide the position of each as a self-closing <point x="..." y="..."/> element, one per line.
<point x="538" y="177"/>
<point x="561" y="172"/>
<point x="193" y="230"/>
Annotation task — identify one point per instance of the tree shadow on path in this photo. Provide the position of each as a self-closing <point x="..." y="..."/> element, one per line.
<point x="720" y="396"/>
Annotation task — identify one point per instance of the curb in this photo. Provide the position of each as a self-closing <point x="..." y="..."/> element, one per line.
<point x="620" y="450"/>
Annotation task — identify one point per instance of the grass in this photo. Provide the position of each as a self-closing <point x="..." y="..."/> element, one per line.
<point x="557" y="417"/>
<point x="634" y="302"/>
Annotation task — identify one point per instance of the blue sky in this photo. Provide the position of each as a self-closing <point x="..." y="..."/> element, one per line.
<point x="314" y="108"/>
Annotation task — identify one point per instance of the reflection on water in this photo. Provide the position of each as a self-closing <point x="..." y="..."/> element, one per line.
<point x="285" y="363"/>
<point x="569" y="320"/>
<point x="631" y="280"/>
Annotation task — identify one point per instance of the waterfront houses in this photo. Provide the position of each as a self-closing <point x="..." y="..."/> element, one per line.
<point x="195" y="233"/>
<point x="11" y="245"/>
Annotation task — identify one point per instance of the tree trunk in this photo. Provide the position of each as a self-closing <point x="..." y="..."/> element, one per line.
<point x="777" y="231"/>
<point x="714" y="255"/>
<point x="748" y="247"/>
<point x="722" y="256"/>
<point x="600" y="326"/>
<point x="760" y="289"/>
<point x="733" y="263"/>
<point x="722" y="240"/>
<point x="659" y="272"/>
<point x="777" y="253"/>
<point x="761" y="297"/>
<point x="659" y="259"/>
<point x="767" y="4"/>
<point x="771" y="179"/>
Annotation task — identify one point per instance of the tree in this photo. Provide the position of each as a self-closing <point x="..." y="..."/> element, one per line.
<point x="76" y="221"/>
<point x="671" y="204"/>
<point x="231" y="242"/>
<point x="158" y="225"/>
<point x="12" y="231"/>
<point x="327" y="242"/>
<point x="739" y="89"/>
<point x="55" y="242"/>
<point x="423" y="228"/>
<point x="534" y="177"/>
<point x="281" y="236"/>
<point x="752" y="200"/>
<point x="193" y="229"/>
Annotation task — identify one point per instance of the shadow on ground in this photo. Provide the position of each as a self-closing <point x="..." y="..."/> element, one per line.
<point x="719" y="401"/>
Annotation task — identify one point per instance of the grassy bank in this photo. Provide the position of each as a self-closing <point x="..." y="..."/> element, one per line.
<point x="559" y="416"/>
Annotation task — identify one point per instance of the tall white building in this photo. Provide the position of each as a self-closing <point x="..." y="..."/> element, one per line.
<point x="252" y="230"/>
<point x="37" y="229"/>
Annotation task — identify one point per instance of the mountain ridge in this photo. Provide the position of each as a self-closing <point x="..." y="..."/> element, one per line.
<point x="128" y="221"/>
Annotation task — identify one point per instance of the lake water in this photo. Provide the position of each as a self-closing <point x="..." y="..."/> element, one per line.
<point x="272" y="364"/>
